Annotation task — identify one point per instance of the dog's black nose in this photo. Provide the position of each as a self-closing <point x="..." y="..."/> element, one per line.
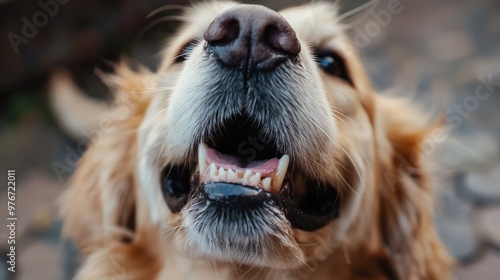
<point x="252" y="38"/>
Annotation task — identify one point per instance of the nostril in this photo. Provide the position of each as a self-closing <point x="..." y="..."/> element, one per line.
<point x="222" y="32"/>
<point x="251" y="38"/>
<point x="282" y="39"/>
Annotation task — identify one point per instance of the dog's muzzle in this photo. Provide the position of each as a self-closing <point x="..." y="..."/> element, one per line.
<point x="235" y="186"/>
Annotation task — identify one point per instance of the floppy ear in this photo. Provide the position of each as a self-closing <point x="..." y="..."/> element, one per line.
<point x="406" y="193"/>
<point x="100" y="201"/>
<point x="100" y="205"/>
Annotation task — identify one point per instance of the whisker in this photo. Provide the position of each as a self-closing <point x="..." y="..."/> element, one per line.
<point x="161" y="111"/>
<point x="355" y="167"/>
<point x="347" y="257"/>
<point x="340" y="113"/>
<point x="156" y="22"/>
<point x="255" y="277"/>
<point x="177" y="229"/>
<point x="345" y="152"/>
<point x="355" y="12"/>
<point x="243" y="275"/>
<point x="173" y="230"/>
<point x="148" y="90"/>
<point x="164" y="9"/>
<point x="309" y="244"/>
<point x="270" y="272"/>
<point x="214" y="268"/>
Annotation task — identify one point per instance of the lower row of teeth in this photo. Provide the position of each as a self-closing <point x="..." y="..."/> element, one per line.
<point x="239" y="177"/>
<point x="210" y="172"/>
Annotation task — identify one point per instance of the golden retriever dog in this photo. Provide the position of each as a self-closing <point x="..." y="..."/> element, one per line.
<point x="258" y="150"/>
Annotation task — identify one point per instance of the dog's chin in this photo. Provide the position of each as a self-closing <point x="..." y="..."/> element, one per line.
<point x="244" y="208"/>
<point x="239" y="225"/>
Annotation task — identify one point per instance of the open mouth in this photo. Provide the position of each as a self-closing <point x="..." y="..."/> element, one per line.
<point x="267" y="174"/>
<point x="238" y="164"/>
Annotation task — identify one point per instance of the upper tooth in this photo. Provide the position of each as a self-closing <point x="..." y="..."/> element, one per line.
<point x="255" y="179"/>
<point x="246" y="177"/>
<point x="280" y="172"/>
<point x="202" y="158"/>
<point x="231" y="174"/>
<point x="222" y="173"/>
<point x="266" y="183"/>
<point x="213" y="170"/>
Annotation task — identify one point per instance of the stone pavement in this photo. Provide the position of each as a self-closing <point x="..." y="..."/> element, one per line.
<point x="436" y="52"/>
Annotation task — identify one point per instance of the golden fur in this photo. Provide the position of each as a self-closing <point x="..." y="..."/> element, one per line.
<point x="385" y="230"/>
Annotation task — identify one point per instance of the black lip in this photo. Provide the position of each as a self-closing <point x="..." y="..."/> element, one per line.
<point x="309" y="219"/>
<point x="236" y="196"/>
<point x="175" y="187"/>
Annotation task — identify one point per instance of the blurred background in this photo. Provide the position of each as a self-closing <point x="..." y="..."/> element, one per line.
<point x="444" y="55"/>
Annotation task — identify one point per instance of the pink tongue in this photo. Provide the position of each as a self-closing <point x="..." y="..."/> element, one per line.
<point x="264" y="167"/>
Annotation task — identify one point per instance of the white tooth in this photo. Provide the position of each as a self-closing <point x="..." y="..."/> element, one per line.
<point x="202" y="158"/>
<point x="231" y="174"/>
<point x="255" y="179"/>
<point x="281" y="172"/>
<point x="213" y="170"/>
<point x="222" y="173"/>
<point x="266" y="183"/>
<point x="246" y="177"/>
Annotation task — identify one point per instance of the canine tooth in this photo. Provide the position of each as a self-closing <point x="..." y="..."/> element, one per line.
<point x="222" y="173"/>
<point x="255" y="179"/>
<point x="281" y="172"/>
<point x="213" y="170"/>
<point x="202" y="158"/>
<point x="266" y="183"/>
<point x="231" y="174"/>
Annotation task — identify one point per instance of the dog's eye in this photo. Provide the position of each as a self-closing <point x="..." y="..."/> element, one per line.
<point x="332" y="64"/>
<point x="185" y="52"/>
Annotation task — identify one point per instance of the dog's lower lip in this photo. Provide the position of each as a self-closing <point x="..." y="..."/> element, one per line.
<point x="236" y="196"/>
<point x="216" y="191"/>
